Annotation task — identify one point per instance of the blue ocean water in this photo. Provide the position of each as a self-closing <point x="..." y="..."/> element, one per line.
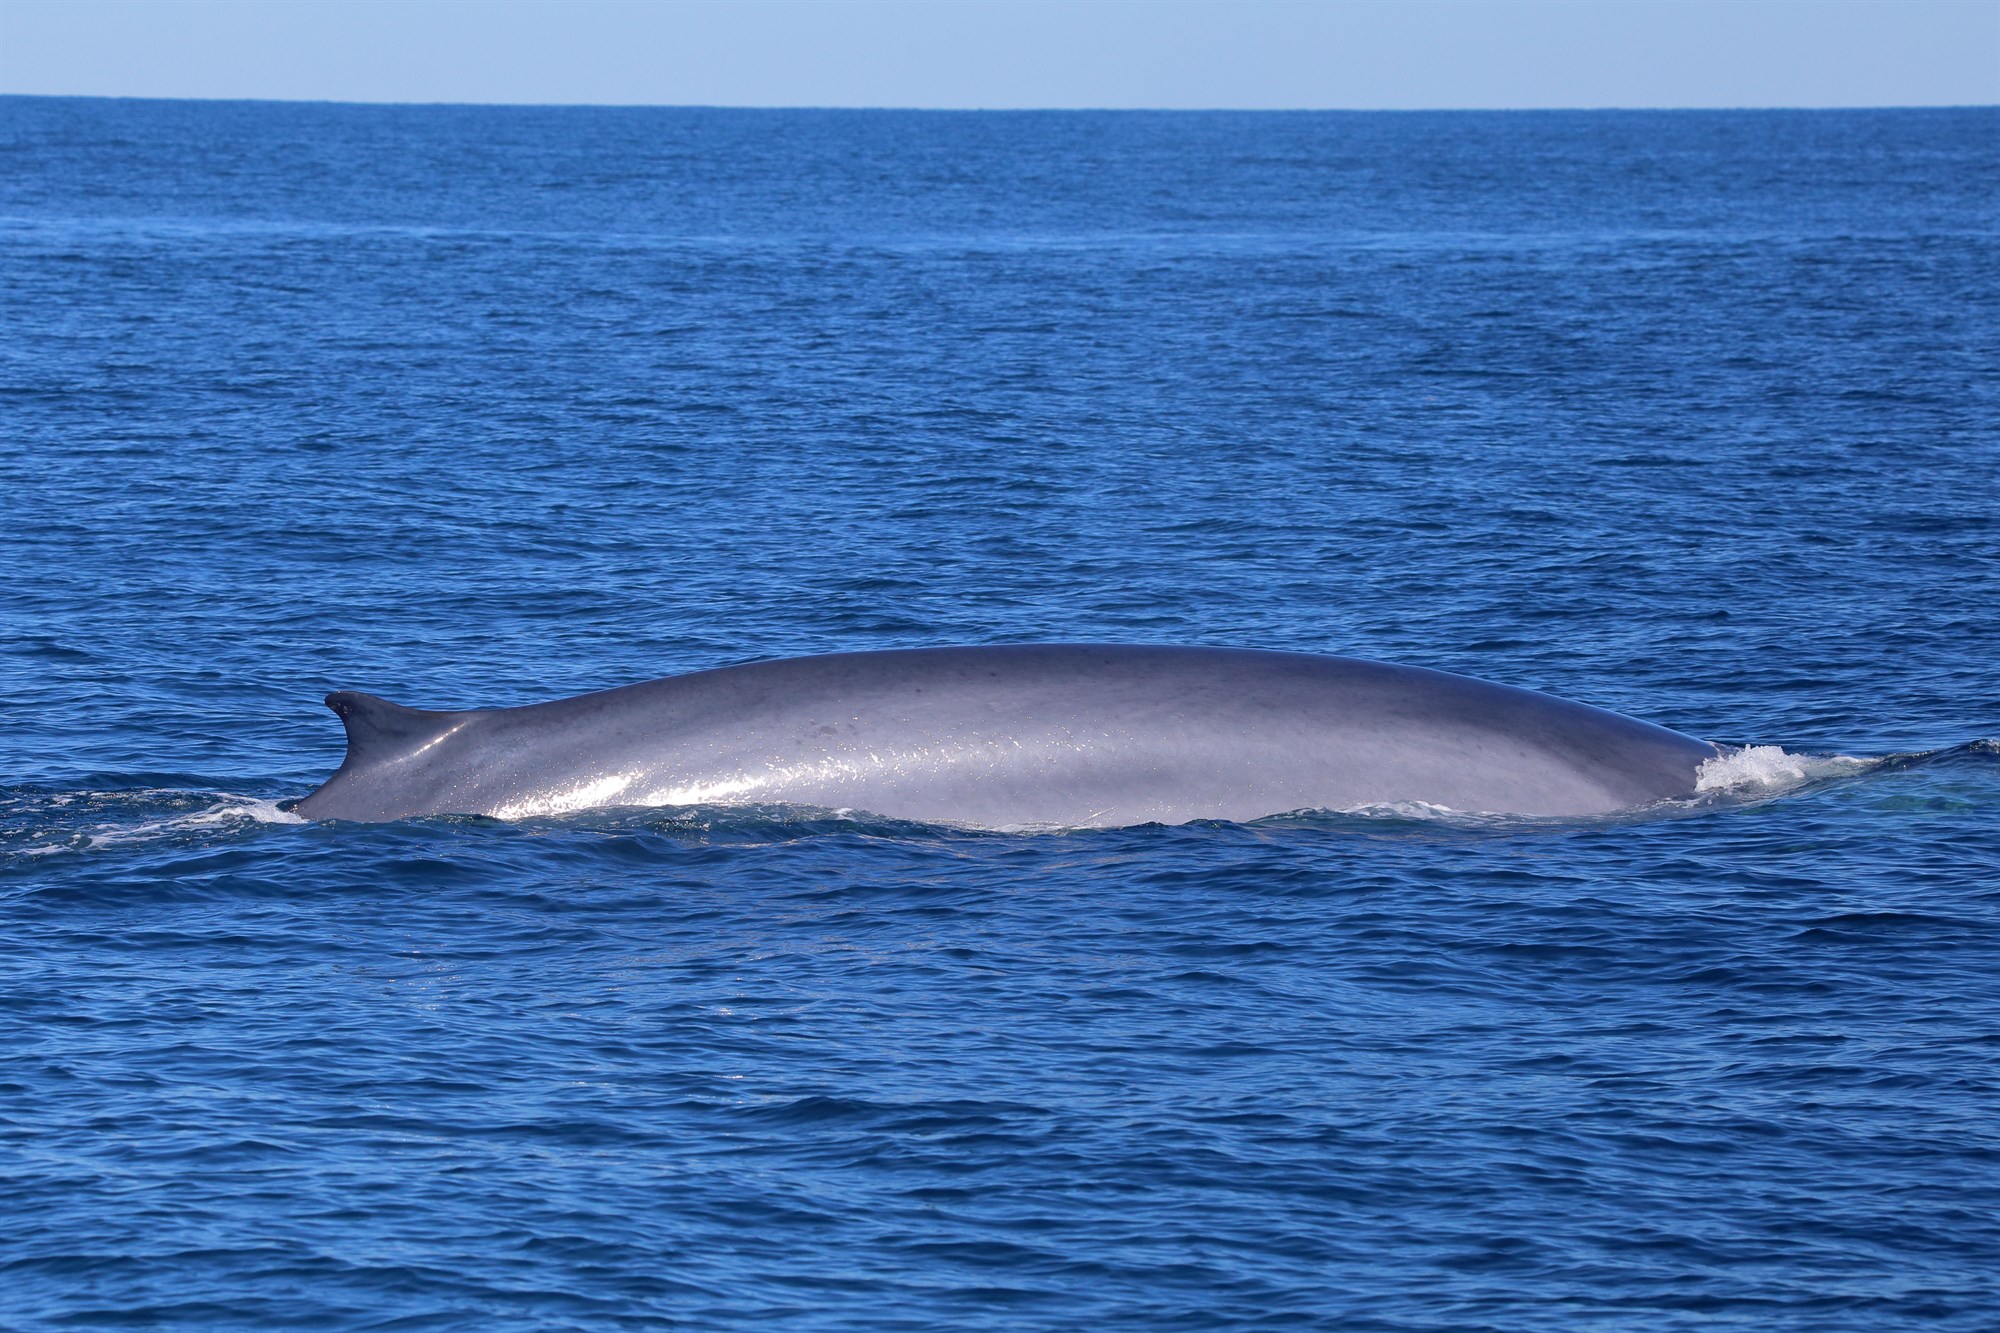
<point x="1689" y="415"/>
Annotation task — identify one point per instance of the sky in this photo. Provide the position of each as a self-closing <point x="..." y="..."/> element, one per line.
<point x="1249" y="54"/>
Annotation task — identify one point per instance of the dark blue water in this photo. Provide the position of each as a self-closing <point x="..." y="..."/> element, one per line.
<point x="1689" y="415"/>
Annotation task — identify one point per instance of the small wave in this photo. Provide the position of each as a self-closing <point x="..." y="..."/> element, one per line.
<point x="1748" y="774"/>
<point x="1395" y="818"/>
<point x="228" y="809"/>
<point x="87" y="828"/>
<point x="1978" y="754"/>
<point x="1403" y="810"/>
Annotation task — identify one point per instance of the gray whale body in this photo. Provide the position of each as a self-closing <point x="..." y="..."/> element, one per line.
<point x="1016" y="736"/>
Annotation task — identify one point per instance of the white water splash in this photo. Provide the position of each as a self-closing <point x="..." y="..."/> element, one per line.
<point x="1765" y="769"/>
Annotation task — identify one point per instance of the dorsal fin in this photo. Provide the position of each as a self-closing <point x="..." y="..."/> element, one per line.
<point x="379" y="731"/>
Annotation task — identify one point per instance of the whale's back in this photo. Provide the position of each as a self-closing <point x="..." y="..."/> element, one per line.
<point x="1020" y="735"/>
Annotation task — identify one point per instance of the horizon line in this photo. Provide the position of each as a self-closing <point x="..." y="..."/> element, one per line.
<point x="1007" y="110"/>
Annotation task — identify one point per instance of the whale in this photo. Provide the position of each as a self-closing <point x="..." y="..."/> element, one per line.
<point x="1014" y="737"/>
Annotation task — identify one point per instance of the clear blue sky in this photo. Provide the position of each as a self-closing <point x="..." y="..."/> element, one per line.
<point x="1017" y="53"/>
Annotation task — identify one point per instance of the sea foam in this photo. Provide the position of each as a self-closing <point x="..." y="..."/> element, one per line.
<point x="1766" y="769"/>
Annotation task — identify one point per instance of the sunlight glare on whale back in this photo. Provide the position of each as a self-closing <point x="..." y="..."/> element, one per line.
<point x="567" y="800"/>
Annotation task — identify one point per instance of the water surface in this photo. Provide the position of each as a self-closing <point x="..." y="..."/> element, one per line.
<point x="1689" y="415"/>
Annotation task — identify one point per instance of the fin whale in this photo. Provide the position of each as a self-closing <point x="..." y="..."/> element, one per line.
<point x="1016" y="736"/>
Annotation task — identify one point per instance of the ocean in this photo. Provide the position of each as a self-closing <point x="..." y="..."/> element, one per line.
<point x="1690" y="415"/>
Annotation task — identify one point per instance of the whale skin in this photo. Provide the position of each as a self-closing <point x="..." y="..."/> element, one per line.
<point x="1017" y="736"/>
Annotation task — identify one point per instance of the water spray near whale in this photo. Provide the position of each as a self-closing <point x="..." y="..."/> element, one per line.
<point x="1017" y="736"/>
